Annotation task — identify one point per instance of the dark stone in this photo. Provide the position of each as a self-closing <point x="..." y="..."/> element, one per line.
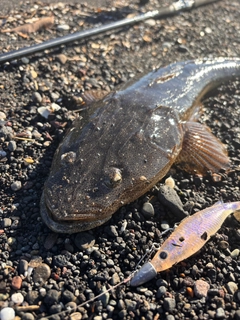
<point x="52" y="297"/>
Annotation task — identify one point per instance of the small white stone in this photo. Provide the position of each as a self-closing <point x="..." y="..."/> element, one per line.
<point x="29" y="271"/>
<point x="208" y="30"/>
<point x="170" y="182"/>
<point x="17" y="298"/>
<point x="55" y="106"/>
<point x="44" y="112"/>
<point x="150" y="22"/>
<point x="7" y="314"/>
<point x="63" y="27"/>
<point x="124" y="226"/>
<point x="2" y="115"/>
<point x="16" y="185"/>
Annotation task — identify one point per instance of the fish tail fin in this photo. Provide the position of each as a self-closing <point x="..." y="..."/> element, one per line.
<point x="201" y="150"/>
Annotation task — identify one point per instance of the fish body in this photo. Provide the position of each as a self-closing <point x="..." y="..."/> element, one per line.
<point x="189" y="237"/>
<point x="126" y="142"/>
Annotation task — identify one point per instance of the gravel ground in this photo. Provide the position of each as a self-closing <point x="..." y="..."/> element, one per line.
<point x="43" y="274"/>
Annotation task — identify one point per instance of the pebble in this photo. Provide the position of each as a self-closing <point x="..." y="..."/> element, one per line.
<point x="170" y="182"/>
<point x="7" y="133"/>
<point x="7" y="314"/>
<point x="210" y="265"/>
<point x="162" y="282"/>
<point x="36" y="96"/>
<point x="52" y="297"/>
<point x="68" y="296"/>
<point x="35" y="261"/>
<point x="3" y="153"/>
<point x="237" y="315"/>
<point x="223" y="244"/>
<point x="190" y="292"/>
<point x="150" y="22"/>
<point x="16" y="185"/>
<point x="55" y="308"/>
<point x="115" y="279"/>
<point x="34" y="74"/>
<point x="238" y="295"/>
<point x="41" y="273"/>
<point x="16" y="282"/>
<point x="27" y="316"/>
<point x="201" y="288"/>
<point x="220" y="313"/>
<point x="54" y="96"/>
<point x="161" y="291"/>
<point x="61" y="260"/>
<point x="55" y="106"/>
<point x="75" y="316"/>
<point x="84" y="240"/>
<point x="33" y="297"/>
<point x="164" y="225"/>
<point x="25" y="60"/>
<point x="105" y="297"/>
<point x="169" y="304"/>
<point x="235" y="253"/>
<point x="2" y="115"/>
<point x="63" y="27"/>
<point x="130" y="304"/>
<point x="71" y="305"/>
<point x="17" y="298"/>
<point x="169" y="197"/>
<point x="208" y="30"/>
<point x="231" y="287"/>
<point x="62" y="58"/>
<point x="110" y="263"/>
<point x="12" y="146"/>
<point x="50" y="240"/>
<point x="213" y="292"/>
<point x="7" y="222"/>
<point x="44" y="111"/>
<point x="111" y="230"/>
<point x="148" y="210"/>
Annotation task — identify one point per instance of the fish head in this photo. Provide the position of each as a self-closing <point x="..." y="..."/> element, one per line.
<point x="110" y="160"/>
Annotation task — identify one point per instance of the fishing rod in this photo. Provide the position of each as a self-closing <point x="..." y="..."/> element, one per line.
<point x="180" y="5"/>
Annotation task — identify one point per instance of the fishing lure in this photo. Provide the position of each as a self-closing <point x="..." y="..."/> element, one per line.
<point x="189" y="237"/>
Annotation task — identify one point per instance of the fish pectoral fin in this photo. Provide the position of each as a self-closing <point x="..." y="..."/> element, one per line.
<point x="201" y="150"/>
<point x="91" y="96"/>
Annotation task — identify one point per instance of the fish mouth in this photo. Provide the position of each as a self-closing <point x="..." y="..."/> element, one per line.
<point x="69" y="225"/>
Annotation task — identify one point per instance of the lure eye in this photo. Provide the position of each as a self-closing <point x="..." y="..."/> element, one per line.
<point x="204" y="236"/>
<point x="163" y="255"/>
<point x="113" y="178"/>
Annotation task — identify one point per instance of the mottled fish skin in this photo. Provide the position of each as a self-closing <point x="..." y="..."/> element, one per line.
<point x="127" y="142"/>
<point x="189" y="237"/>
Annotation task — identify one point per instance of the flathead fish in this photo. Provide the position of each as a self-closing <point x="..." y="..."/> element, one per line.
<point x="128" y="141"/>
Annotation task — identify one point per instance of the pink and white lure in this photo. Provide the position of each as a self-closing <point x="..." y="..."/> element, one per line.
<point x="189" y="237"/>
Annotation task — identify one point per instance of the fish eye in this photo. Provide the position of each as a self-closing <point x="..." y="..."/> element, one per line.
<point x="68" y="157"/>
<point x="113" y="178"/>
<point x="163" y="255"/>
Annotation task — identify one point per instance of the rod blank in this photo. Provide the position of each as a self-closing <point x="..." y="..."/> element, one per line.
<point x="163" y="12"/>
